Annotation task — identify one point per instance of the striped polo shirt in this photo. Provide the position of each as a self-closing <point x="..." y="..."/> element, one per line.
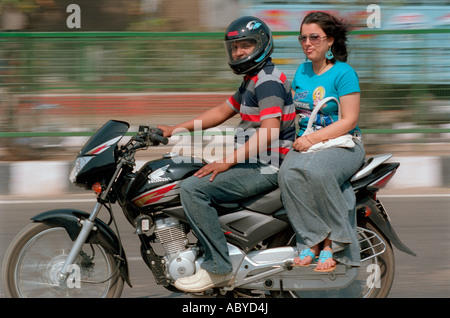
<point x="264" y="95"/>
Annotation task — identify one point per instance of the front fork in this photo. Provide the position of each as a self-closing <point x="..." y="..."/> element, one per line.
<point x="87" y="226"/>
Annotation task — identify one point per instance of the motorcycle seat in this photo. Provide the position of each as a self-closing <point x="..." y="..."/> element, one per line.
<point x="269" y="203"/>
<point x="266" y="203"/>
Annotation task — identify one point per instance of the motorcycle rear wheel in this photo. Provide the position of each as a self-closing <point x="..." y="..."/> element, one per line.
<point x="34" y="259"/>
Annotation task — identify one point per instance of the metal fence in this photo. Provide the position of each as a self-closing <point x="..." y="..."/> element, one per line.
<point x="57" y="85"/>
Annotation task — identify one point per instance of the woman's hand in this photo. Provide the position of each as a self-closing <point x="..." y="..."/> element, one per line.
<point x="302" y="144"/>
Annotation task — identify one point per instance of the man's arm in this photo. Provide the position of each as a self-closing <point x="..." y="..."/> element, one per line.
<point x="267" y="133"/>
<point x="210" y="118"/>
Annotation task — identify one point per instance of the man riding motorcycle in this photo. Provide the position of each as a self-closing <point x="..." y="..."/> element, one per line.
<point x="265" y="105"/>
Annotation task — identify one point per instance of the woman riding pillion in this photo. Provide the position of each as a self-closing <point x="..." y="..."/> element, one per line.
<point x="314" y="185"/>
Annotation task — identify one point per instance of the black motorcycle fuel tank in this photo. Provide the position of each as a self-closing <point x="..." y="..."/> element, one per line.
<point x="157" y="183"/>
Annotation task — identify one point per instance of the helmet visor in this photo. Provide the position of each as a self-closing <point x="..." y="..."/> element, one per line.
<point x="240" y="50"/>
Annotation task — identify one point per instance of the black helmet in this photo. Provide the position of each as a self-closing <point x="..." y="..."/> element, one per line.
<point x="255" y="31"/>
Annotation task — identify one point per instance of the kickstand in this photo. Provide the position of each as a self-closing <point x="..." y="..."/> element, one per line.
<point x="281" y="289"/>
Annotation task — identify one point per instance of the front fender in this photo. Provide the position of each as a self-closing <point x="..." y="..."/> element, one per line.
<point x="103" y="235"/>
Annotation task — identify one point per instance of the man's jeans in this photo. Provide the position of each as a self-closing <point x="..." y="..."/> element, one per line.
<point x="198" y="196"/>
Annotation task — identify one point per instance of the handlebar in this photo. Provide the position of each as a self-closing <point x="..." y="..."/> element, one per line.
<point x="157" y="135"/>
<point x="154" y="135"/>
<point x="145" y="137"/>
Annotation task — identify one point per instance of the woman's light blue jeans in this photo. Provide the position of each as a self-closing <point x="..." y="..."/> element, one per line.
<point x="198" y="196"/>
<point x="319" y="200"/>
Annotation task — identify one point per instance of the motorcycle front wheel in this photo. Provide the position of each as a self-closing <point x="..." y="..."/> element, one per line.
<point x="34" y="259"/>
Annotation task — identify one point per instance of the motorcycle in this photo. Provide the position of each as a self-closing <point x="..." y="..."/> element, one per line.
<point x="72" y="253"/>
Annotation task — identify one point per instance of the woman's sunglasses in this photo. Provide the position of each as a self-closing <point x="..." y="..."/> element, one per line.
<point x="313" y="38"/>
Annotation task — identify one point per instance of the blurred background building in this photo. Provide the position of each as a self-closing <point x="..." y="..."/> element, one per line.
<point x="152" y="61"/>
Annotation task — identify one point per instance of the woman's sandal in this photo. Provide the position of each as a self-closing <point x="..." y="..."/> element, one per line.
<point x="303" y="254"/>
<point x="323" y="257"/>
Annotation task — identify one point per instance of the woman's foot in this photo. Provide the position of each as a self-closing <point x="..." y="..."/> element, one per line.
<point x="326" y="262"/>
<point x="306" y="257"/>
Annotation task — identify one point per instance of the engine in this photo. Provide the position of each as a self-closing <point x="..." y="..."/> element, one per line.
<point x="180" y="259"/>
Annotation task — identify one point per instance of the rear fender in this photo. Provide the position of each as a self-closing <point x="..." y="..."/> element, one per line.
<point x="103" y="235"/>
<point x="380" y="218"/>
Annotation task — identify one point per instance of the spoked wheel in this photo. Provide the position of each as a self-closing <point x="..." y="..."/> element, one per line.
<point x="34" y="259"/>
<point x="375" y="275"/>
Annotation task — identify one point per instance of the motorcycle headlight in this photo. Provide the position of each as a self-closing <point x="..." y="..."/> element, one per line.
<point x="78" y="165"/>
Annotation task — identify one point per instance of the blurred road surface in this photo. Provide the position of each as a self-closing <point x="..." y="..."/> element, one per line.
<point x="422" y="221"/>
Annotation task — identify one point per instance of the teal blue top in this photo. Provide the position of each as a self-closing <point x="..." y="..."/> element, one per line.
<point x="341" y="79"/>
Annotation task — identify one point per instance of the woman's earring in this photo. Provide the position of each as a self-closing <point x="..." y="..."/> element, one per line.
<point x="329" y="55"/>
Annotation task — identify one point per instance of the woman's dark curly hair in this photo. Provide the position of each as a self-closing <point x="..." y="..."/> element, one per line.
<point x="334" y="28"/>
